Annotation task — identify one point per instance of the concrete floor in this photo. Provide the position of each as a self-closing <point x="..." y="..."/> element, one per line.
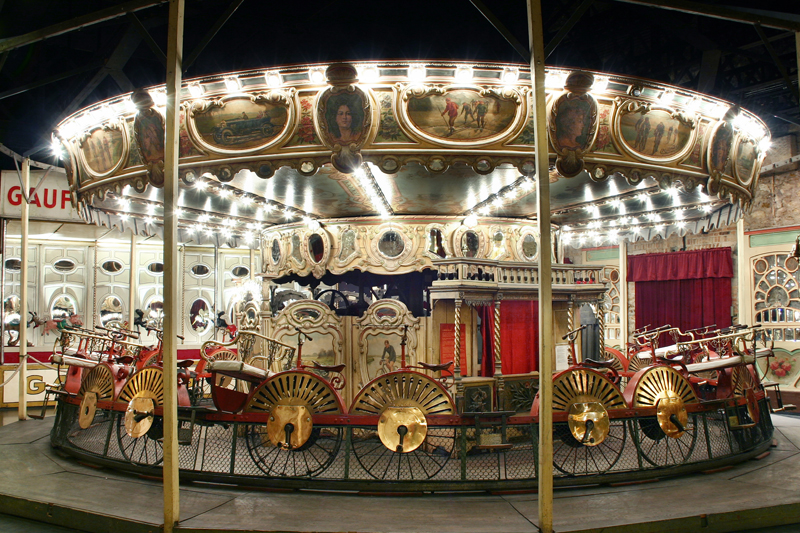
<point x="37" y="484"/>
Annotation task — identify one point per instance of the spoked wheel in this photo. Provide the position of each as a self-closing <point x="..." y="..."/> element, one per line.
<point x="589" y="441"/>
<point x="139" y="431"/>
<point x="669" y="438"/>
<point x="289" y="445"/>
<point x="98" y="384"/>
<point x="403" y="446"/>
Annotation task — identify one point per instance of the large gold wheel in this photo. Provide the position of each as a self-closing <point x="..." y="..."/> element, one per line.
<point x="668" y="438"/>
<point x="97" y="385"/>
<point x="290" y="445"/>
<point x="395" y="394"/>
<point x="136" y="446"/>
<point x="588" y="442"/>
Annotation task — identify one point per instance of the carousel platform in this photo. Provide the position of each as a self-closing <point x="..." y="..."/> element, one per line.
<point x="38" y="484"/>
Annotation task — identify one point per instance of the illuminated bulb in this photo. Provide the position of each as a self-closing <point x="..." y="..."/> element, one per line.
<point x="273" y="79"/>
<point x="55" y="147"/>
<point x="526" y="185"/>
<point x="659" y="227"/>
<point x="471" y="221"/>
<point x="159" y="98"/>
<point x="566" y="228"/>
<point x="316" y="75"/>
<point x="200" y="185"/>
<point x="369" y="73"/>
<point x="693" y="105"/>
<point x="151" y="209"/>
<point x="667" y="96"/>
<point x="416" y="72"/>
<point x="555" y="80"/>
<point x="510" y="76"/>
<point x="703" y="197"/>
<point x="179" y="212"/>
<point x="225" y="193"/>
<point x="246" y="200"/>
<point x="128" y="106"/>
<point x="124" y="216"/>
<point x="196" y="90"/>
<point x="209" y="232"/>
<point x="312" y="224"/>
<point x="613" y="235"/>
<point x="232" y="85"/>
<point x="612" y="223"/>
<point x="679" y="214"/>
<point x="464" y="73"/>
<point x="497" y="202"/>
<point x="719" y="111"/>
<point x="764" y="145"/>
<point x="566" y="238"/>
<point x="681" y="224"/>
<point x="287" y="213"/>
<point x="248" y="237"/>
<point x="600" y="84"/>
<point x="485" y="210"/>
<point x="385" y="214"/>
<point x="203" y="218"/>
<point x="706" y="208"/>
<point x="267" y="208"/>
<point x="148" y="220"/>
<point x="226" y="232"/>
<point x="642" y="197"/>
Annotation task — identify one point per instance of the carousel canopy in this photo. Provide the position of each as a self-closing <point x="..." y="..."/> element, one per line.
<point x="382" y="141"/>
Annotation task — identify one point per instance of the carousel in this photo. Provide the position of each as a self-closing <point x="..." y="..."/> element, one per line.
<point x="389" y="343"/>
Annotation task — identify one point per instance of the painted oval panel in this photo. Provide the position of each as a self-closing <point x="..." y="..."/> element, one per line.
<point x="655" y="133"/>
<point x="240" y="124"/>
<point x="461" y="114"/>
<point x="745" y="160"/>
<point x="719" y="151"/>
<point x="103" y="150"/>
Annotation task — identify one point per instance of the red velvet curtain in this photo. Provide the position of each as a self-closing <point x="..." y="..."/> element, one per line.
<point x="519" y="337"/>
<point x="684" y="289"/>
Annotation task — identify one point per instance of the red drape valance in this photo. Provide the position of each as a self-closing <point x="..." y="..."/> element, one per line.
<point x="697" y="264"/>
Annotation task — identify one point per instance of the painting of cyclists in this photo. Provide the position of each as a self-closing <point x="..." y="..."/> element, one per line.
<point x="102" y="150"/>
<point x="656" y="133"/>
<point x="240" y="124"/>
<point x="462" y="114"/>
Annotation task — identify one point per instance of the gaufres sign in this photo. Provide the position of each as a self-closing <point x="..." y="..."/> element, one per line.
<point x="49" y="202"/>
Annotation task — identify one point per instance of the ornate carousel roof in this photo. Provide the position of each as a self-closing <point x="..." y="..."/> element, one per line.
<point x="419" y="143"/>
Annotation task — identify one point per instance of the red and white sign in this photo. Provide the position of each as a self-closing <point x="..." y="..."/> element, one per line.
<point x="49" y="202"/>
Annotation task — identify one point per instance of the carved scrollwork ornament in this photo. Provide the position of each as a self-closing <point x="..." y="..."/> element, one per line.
<point x="572" y="123"/>
<point x="275" y="96"/>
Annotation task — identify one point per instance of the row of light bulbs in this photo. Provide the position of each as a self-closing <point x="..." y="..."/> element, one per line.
<point x="369" y="185"/>
<point x="498" y="200"/>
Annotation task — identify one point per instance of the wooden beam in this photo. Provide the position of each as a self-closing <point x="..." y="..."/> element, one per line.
<point x="500" y="27"/>
<point x="777" y="61"/>
<point x="77" y="23"/>
<point x="151" y="43"/>
<point x="576" y="16"/>
<point x="50" y="79"/>
<point x="717" y="12"/>
<point x="190" y="59"/>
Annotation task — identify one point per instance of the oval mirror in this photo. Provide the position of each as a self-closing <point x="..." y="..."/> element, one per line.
<point x="306" y="312"/>
<point x="111" y="312"/>
<point x="529" y="247"/>
<point x="200" y="316"/>
<point x="63" y="307"/>
<point x="65" y="266"/>
<point x="13" y="265"/>
<point x="240" y="272"/>
<point x="276" y="251"/>
<point x="391" y="244"/>
<point x="156" y="267"/>
<point x="200" y="270"/>
<point x="469" y="244"/>
<point x="112" y="266"/>
<point x="316" y="247"/>
<point x="435" y="245"/>
<point x="154" y="311"/>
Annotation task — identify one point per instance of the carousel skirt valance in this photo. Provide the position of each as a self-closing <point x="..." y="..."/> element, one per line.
<point x="685" y="289"/>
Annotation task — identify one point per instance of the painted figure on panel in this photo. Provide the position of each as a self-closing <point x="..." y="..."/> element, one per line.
<point x="382" y="355"/>
<point x="151" y="136"/>
<point x="461" y="114"/>
<point x="344" y="114"/>
<point x="655" y="133"/>
<point x="745" y="159"/>
<point x="103" y="149"/>
<point x="572" y="124"/>
<point x="721" y="147"/>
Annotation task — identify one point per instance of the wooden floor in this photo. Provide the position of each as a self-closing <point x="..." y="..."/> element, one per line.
<point x="38" y="487"/>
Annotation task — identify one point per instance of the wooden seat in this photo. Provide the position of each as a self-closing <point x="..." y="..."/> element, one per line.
<point x="443" y="367"/>
<point x="328" y="368"/>
<point x="239" y="370"/>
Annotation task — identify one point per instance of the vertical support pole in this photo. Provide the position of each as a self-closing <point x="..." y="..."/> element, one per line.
<point x="457" y="357"/>
<point x="133" y="289"/>
<point x="797" y="47"/>
<point x="172" y="308"/>
<point x="601" y="329"/>
<point x="3" y="237"/>
<point x="545" y="478"/>
<point x="570" y="327"/>
<point x="498" y="362"/>
<point x="742" y="278"/>
<point x="23" y="309"/>
<point x="623" y="296"/>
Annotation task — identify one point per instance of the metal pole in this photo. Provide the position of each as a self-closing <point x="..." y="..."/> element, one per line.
<point x="23" y="309"/>
<point x="545" y="473"/>
<point x="3" y="238"/>
<point x="133" y="289"/>
<point x="623" y="297"/>
<point x="172" y="308"/>
<point x="742" y="275"/>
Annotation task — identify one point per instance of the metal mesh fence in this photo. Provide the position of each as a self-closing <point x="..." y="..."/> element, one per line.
<point x="452" y="454"/>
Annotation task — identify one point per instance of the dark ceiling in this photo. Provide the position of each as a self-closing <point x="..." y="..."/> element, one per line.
<point x="42" y="82"/>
